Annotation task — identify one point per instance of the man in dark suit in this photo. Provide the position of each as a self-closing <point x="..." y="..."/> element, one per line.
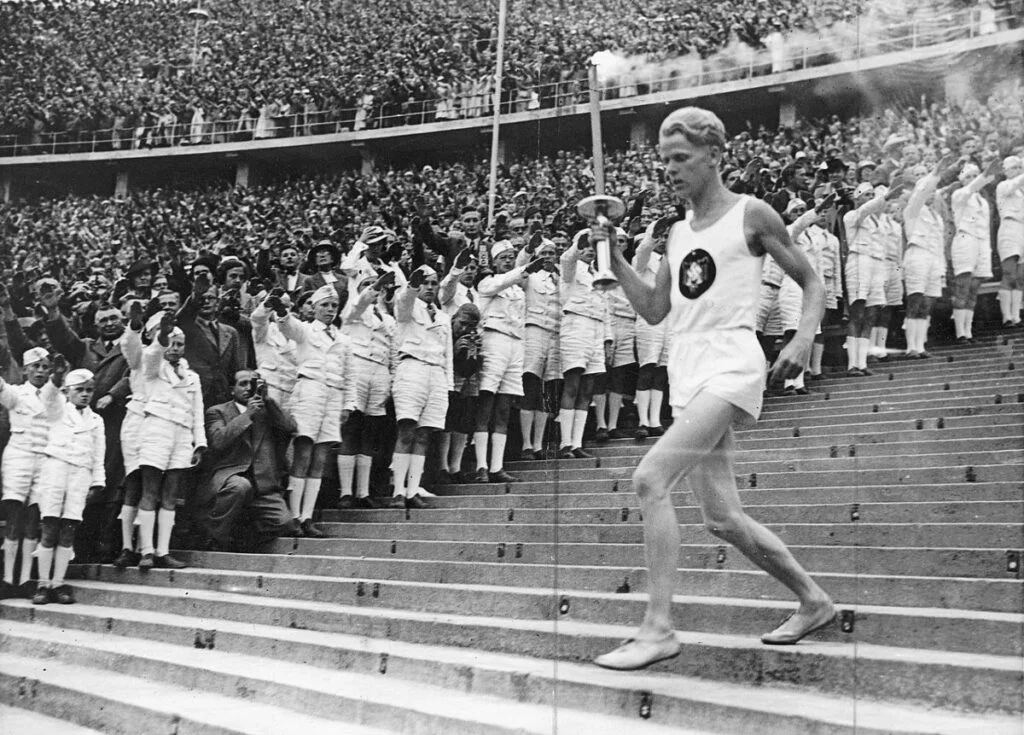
<point x="211" y="348"/>
<point x="247" y="438"/>
<point x="97" y="538"/>
<point x="285" y="273"/>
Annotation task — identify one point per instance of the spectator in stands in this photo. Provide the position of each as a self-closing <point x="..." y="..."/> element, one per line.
<point x="1010" y="239"/>
<point x="212" y="348"/>
<point x="241" y="489"/>
<point x="971" y="250"/>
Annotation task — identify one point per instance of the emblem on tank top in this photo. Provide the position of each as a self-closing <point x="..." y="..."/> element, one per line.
<point x="696" y="273"/>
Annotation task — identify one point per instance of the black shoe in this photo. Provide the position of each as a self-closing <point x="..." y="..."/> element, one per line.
<point x="501" y="476"/>
<point x="539" y="454"/>
<point x="309" y="529"/>
<point x="814" y="376"/>
<point x="168" y="562"/>
<point x="146" y="563"/>
<point x="854" y="373"/>
<point x="127" y="558"/>
<point x="365" y="503"/>
<point x="964" y="341"/>
<point x="566" y="453"/>
<point x="397" y="501"/>
<point x="601" y="436"/>
<point x="416" y="502"/>
<point x="346" y="502"/>
<point x="865" y="372"/>
<point x="444" y="477"/>
<point x="25" y="590"/>
<point x="655" y="431"/>
<point x="8" y="591"/>
<point x="581" y="453"/>
<point x="63" y="595"/>
<point x="42" y="596"/>
<point x="641" y="433"/>
<point x="619" y="434"/>
<point x="803" y="392"/>
<point x="789" y="390"/>
<point x="482" y="476"/>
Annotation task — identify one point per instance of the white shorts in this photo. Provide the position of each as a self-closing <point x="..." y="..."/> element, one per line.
<point x="581" y="344"/>
<point x="540" y="353"/>
<point x="768" y="319"/>
<point x="164" y="444"/>
<point x="316" y="410"/>
<point x="63" y="489"/>
<point x="791" y="304"/>
<point x="502" y="368"/>
<point x="970" y="255"/>
<point x="727" y="363"/>
<point x="624" y="341"/>
<point x="865" y="279"/>
<point x="420" y="393"/>
<point x="922" y="272"/>
<point x="652" y="343"/>
<point x="372" y="386"/>
<point x="21" y="475"/>
<point x="279" y="396"/>
<point x="130" y="428"/>
<point x="1010" y="239"/>
<point x="893" y="284"/>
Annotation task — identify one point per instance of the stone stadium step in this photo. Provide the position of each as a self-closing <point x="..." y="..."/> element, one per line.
<point x="277" y="599"/>
<point x="997" y="593"/>
<point x="921" y="388"/>
<point x="358" y="703"/>
<point x="875" y="672"/>
<point x="19" y="721"/>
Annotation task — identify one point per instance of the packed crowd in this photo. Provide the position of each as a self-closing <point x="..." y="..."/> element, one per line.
<point x="259" y="340"/>
<point x="160" y="73"/>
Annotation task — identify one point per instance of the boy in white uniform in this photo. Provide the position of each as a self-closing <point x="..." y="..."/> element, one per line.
<point x="971" y="250"/>
<point x="275" y="353"/>
<point x="22" y="460"/>
<point x="707" y="288"/>
<point x="651" y="339"/>
<point x="72" y="469"/>
<point x="1010" y="239"/>
<point x="924" y="261"/>
<point x="610" y="390"/>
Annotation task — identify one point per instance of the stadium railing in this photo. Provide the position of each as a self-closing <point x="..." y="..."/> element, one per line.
<point x="566" y="93"/>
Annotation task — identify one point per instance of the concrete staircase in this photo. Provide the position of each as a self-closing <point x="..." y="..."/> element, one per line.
<point x="903" y="493"/>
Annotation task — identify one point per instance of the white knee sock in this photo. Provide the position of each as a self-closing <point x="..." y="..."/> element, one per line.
<point x="147" y="525"/>
<point x="566" y="416"/>
<point x="600" y="403"/>
<point x="480" y="448"/>
<point x="526" y="418"/>
<point x="44" y="558"/>
<point x="296" y="486"/>
<point x="364" y="463"/>
<point x="798" y="381"/>
<point x="28" y="550"/>
<point x="309" y="496"/>
<point x="654" y="412"/>
<point x="400" y="473"/>
<point x="851" y="353"/>
<point x="881" y="337"/>
<point x="1005" y="298"/>
<point x="346" y="467"/>
<point x="444" y="445"/>
<point x="164" y="526"/>
<point x="416" y="463"/>
<point x="61" y="558"/>
<point x="969" y="323"/>
<point x="1016" y="297"/>
<point x="863" y="343"/>
<point x="614" y="407"/>
<point x="497" y="452"/>
<point x="643" y="406"/>
<point x="817" y="352"/>
<point x="458" y="449"/>
<point x="128" y="514"/>
<point x="10" y="557"/>
<point x="958" y="322"/>
<point x="579" y="423"/>
<point x="540" y="425"/>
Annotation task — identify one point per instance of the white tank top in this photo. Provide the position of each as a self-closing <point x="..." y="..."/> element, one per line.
<point x="715" y="277"/>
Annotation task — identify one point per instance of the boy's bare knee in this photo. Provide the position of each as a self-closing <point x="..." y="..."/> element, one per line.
<point x="726" y="526"/>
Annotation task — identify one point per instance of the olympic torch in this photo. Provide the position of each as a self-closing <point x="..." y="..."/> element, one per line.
<point x="600" y="209"/>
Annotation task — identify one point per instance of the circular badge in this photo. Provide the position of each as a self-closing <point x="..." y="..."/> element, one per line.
<point x="696" y="273"/>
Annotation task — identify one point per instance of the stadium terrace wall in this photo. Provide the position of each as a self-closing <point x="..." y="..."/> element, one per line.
<point x="845" y="87"/>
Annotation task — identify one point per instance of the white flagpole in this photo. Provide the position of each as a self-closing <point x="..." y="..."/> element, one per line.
<point x="496" y="127"/>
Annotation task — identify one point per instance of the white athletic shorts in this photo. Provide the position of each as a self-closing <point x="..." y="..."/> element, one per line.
<point x="502" y="368"/>
<point x="21" y="475"/>
<point x="540" y="353"/>
<point x="651" y="343"/>
<point x="624" y="341"/>
<point x="581" y="342"/>
<point x="420" y="393"/>
<point x="372" y="386"/>
<point x="727" y="363"/>
<point x="164" y="444"/>
<point x="865" y="279"/>
<point x="130" y="440"/>
<point x="768" y="318"/>
<point x="279" y="396"/>
<point x="1010" y="239"/>
<point x="63" y="489"/>
<point x="893" y="284"/>
<point x="922" y="272"/>
<point x="970" y="255"/>
<point x="316" y="410"/>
